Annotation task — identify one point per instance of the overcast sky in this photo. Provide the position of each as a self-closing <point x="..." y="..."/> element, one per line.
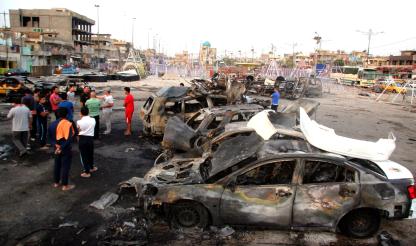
<point x="242" y="25"/>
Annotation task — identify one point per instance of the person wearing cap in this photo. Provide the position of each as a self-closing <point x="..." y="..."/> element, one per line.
<point x="107" y="108"/>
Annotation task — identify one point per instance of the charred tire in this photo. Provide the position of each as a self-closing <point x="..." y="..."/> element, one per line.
<point x="361" y="223"/>
<point x="189" y="215"/>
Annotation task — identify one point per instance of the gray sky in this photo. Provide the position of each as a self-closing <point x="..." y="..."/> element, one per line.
<point x="242" y="25"/>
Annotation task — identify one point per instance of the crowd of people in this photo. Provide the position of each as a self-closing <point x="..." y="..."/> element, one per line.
<point x="48" y="118"/>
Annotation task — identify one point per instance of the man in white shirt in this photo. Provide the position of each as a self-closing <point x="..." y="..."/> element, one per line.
<point x="22" y="123"/>
<point x="71" y="94"/>
<point x="107" y="108"/>
<point x="86" y="127"/>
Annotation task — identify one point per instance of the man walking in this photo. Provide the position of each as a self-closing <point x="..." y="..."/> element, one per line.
<point x="275" y="99"/>
<point x="129" y="110"/>
<point x="86" y="127"/>
<point x="107" y="109"/>
<point x="68" y="105"/>
<point x="21" y="125"/>
<point x="93" y="104"/>
<point x="42" y="117"/>
<point x="63" y="133"/>
<point x="54" y="100"/>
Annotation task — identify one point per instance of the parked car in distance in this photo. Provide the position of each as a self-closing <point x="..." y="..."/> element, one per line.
<point x="393" y="87"/>
<point x="16" y="72"/>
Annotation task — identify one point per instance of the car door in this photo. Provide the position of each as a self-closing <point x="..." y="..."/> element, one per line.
<point x="260" y="196"/>
<point x="327" y="190"/>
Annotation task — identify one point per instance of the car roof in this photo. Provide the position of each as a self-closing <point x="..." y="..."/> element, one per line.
<point x="220" y="110"/>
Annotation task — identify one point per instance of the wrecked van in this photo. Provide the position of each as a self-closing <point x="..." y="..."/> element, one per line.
<point x="174" y="101"/>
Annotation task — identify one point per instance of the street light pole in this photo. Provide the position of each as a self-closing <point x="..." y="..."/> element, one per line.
<point x="98" y="33"/>
<point x="369" y="33"/>
<point x="132" y="33"/>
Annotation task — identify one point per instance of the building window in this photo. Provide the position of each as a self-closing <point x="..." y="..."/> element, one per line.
<point x="35" y="21"/>
<point x="26" y="20"/>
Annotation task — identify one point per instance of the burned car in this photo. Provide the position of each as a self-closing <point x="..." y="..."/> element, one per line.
<point x="267" y="180"/>
<point x="204" y="125"/>
<point x="206" y="129"/>
<point x="174" y="101"/>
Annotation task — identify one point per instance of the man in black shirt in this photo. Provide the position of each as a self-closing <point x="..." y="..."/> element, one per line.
<point x="42" y="117"/>
<point x="85" y="95"/>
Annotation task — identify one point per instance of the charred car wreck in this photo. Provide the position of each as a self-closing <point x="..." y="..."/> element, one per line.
<point x="183" y="102"/>
<point x="274" y="178"/>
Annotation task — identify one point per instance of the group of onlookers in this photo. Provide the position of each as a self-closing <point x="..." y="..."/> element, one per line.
<point x="30" y="121"/>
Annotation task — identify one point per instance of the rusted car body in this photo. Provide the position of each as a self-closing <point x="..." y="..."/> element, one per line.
<point x="174" y="101"/>
<point x="205" y="130"/>
<point x="204" y="125"/>
<point x="282" y="183"/>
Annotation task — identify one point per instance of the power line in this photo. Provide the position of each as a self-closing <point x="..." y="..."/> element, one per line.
<point x="397" y="42"/>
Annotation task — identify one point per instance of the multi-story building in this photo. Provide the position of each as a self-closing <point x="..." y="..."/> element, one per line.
<point x="51" y="36"/>
<point x="207" y="55"/>
<point x="406" y="57"/>
<point x="181" y="59"/>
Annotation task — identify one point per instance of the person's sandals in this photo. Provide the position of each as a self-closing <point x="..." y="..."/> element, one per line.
<point x="94" y="169"/>
<point x="85" y="175"/>
<point x="68" y="187"/>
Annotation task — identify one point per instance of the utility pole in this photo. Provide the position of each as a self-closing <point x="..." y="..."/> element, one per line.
<point x="7" y="39"/>
<point x="318" y="39"/>
<point x="148" y="34"/>
<point x="132" y="32"/>
<point x="98" y="34"/>
<point x="252" y="54"/>
<point x="369" y="33"/>
<point x="293" y="54"/>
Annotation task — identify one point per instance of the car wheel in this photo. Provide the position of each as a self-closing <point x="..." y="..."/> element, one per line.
<point x="361" y="223"/>
<point x="189" y="215"/>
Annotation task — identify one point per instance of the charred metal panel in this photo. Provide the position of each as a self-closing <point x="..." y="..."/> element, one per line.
<point x="178" y="135"/>
<point x="274" y="147"/>
<point x="232" y="151"/>
<point x="258" y="205"/>
<point x="323" y="204"/>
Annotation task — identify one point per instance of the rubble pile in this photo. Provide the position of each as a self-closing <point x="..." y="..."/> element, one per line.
<point x="127" y="228"/>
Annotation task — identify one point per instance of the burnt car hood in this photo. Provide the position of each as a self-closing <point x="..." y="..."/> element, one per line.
<point x="174" y="171"/>
<point x="178" y="135"/>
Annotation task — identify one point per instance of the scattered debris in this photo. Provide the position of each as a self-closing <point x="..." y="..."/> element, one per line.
<point x="105" y="200"/>
<point x="223" y="232"/>
<point x="5" y="151"/>
<point x="386" y="239"/>
<point x="364" y="94"/>
<point x="411" y="139"/>
<point x="69" y="224"/>
<point x="129" y="149"/>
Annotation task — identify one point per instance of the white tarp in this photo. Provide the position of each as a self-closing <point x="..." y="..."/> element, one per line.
<point x="326" y="139"/>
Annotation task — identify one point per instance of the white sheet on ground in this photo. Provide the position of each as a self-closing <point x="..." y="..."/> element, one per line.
<point x="326" y="139"/>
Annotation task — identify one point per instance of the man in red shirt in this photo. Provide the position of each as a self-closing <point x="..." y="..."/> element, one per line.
<point x="129" y="109"/>
<point x="54" y="100"/>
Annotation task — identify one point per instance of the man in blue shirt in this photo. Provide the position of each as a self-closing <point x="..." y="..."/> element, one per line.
<point x="68" y="105"/>
<point x="275" y="99"/>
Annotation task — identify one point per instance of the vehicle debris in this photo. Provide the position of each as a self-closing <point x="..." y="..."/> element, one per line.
<point x="105" y="200"/>
<point x="326" y="139"/>
<point x="69" y="224"/>
<point x="386" y="239"/>
<point x="5" y="151"/>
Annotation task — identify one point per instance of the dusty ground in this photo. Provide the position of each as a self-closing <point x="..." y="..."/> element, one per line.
<point x="31" y="210"/>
